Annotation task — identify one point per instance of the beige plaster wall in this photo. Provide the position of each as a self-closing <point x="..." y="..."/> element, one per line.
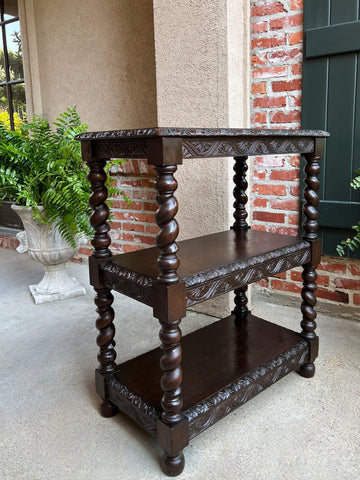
<point x="191" y="81"/>
<point x="96" y="55"/>
<point x="138" y="63"/>
<point x="201" y="51"/>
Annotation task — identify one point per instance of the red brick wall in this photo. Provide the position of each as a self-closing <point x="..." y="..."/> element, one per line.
<point x="276" y="43"/>
<point x="133" y="226"/>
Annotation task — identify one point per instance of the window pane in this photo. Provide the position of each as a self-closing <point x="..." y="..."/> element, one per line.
<point x="13" y="41"/>
<point x="4" y="108"/>
<point x="10" y="9"/>
<point x="2" y="64"/>
<point x="19" y="102"/>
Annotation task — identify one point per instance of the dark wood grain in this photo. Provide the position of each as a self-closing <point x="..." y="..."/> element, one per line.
<point x="167" y="262"/>
<point x="232" y="360"/>
<point x="198" y="132"/>
<point x="309" y="275"/>
<point x="199" y="143"/>
<point x="240" y="299"/>
<point x="97" y="201"/>
<point x="206" y="255"/>
<point x="213" y="357"/>
<point x="103" y="298"/>
<point x="240" y="224"/>
<point x="312" y="185"/>
<point x="209" y="265"/>
<point x="173" y="460"/>
<point x="239" y="192"/>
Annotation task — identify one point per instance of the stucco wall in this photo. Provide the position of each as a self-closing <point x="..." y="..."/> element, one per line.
<point x="200" y="65"/>
<point x="192" y="90"/>
<point x="96" y="55"/>
<point x="194" y="52"/>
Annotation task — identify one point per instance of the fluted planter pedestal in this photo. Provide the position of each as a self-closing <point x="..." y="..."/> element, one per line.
<point x="46" y="245"/>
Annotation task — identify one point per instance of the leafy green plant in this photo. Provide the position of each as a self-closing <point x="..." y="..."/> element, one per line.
<point x="42" y="166"/>
<point x="5" y="119"/>
<point x="351" y="242"/>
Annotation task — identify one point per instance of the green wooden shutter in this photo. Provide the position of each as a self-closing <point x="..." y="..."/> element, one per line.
<point x="331" y="101"/>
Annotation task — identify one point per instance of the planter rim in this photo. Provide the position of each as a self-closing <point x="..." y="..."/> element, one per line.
<point x="14" y="206"/>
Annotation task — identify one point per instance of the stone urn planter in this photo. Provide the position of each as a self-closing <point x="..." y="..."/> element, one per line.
<point x="46" y="245"/>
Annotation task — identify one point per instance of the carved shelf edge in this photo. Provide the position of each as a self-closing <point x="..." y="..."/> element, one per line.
<point x="214" y="282"/>
<point x="204" y="414"/>
<point x="143" y="414"/>
<point x="209" y="411"/>
<point x="152" y="132"/>
<point x="231" y="147"/>
<point x="121" y="149"/>
<point x="128" y="282"/>
<point x="208" y="147"/>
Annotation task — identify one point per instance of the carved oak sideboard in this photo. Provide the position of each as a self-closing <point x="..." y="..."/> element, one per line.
<point x="187" y="384"/>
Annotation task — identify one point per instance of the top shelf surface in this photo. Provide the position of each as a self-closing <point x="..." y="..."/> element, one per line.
<point x="170" y="145"/>
<point x="156" y="132"/>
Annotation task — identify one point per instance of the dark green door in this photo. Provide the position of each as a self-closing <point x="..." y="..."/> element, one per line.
<point x="331" y="101"/>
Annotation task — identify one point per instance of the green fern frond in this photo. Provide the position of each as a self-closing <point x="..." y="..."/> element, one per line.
<point x="42" y="165"/>
<point x="352" y="242"/>
<point x="356" y="183"/>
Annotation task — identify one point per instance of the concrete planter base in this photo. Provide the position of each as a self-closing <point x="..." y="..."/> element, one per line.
<point x="46" y="245"/>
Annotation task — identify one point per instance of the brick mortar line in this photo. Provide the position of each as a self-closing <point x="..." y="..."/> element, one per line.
<point x="133" y="211"/>
<point x="319" y="299"/>
<point x="135" y="222"/>
<point x="274" y="16"/>
<point x="273" y="79"/>
<point x="331" y="287"/>
<point x="290" y="183"/>
<point x="140" y="234"/>
<point x="269" y="83"/>
<point x="274" y="95"/>
<point x="285" y="110"/>
<point x="276" y="48"/>
<point x="134" y="187"/>
<point x="268" y="33"/>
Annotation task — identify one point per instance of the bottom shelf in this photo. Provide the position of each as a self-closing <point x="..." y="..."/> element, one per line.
<point x="224" y="365"/>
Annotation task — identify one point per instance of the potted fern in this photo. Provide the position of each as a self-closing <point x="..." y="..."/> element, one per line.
<point x="41" y="170"/>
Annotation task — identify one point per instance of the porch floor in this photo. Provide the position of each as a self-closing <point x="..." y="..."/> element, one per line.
<point x="50" y="429"/>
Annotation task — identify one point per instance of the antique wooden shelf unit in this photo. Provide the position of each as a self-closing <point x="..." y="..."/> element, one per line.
<point x="187" y="384"/>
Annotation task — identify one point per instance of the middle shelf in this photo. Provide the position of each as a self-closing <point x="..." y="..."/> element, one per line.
<point x="209" y="265"/>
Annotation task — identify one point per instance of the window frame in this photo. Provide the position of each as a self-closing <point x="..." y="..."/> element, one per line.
<point x="8" y="82"/>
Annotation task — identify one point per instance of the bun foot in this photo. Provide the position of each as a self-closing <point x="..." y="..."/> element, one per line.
<point x="307" y="370"/>
<point x="173" y="466"/>
<point x="108" y="409"/>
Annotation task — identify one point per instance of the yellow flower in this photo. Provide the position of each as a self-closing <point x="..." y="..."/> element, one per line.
<point x="5" y="120"/>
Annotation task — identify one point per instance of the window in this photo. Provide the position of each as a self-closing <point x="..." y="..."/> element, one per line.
<point x="12" y="87"/>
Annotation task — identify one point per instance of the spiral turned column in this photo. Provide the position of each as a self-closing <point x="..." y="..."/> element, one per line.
<point x="170" y="334"/>
<point x="309" y="275"/>
<point x="98" y="220"/>
<point x="169" y="228"/>
<point x="104" y="298"/>
<point x="240" y="224"/>
<point x="240" y="310"/>
<point x="239" y="192"/>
